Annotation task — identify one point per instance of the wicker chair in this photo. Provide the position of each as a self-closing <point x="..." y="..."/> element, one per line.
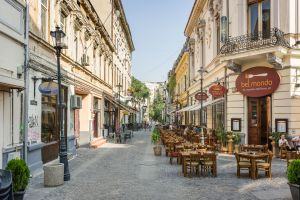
<point x="193" y="165"/>
<point x="209" y="164"/>
<point x="265" y="166"/>
<point x="242" y="165"/>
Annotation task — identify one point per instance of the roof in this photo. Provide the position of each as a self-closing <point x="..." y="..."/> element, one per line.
<point x="194" y="15"/>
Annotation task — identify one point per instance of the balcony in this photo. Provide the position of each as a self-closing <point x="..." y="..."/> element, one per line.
<point x="249" y="42"/>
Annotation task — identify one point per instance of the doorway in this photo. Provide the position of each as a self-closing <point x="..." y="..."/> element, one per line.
<point x="259" y="120"/>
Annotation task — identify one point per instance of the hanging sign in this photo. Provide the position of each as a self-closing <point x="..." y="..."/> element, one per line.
<point x="257" y="81"/>
<point x="48" y="88"/>
<point x="217" y="90"/>
<point x="201" y="96"/>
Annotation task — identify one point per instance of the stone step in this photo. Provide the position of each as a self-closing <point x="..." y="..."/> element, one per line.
<point x="97" y="143"/>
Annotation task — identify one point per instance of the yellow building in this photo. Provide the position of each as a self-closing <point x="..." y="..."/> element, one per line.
<point x="181" y="67"/>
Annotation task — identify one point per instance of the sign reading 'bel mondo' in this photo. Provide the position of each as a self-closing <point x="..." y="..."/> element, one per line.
<point x="257" y="81"/>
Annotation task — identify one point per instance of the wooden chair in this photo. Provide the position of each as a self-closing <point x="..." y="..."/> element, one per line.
<point x="282" y="151"/>
<point x="291" y="156"/>
<point x="242" y="165"/>
<point x="172" y="153"/>
<point x="209" y="163"/>
<point x="194" y="164"/>
<point x="265" y="166"/>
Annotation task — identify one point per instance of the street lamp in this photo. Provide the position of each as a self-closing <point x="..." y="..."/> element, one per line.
<point x="58" y="36"/>
<point x="119" y="86"/>
<point x="201" y="71"/>
<point x="177" y="101"/>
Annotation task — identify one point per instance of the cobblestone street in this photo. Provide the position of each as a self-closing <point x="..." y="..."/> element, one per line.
<point x="131" y="171"/>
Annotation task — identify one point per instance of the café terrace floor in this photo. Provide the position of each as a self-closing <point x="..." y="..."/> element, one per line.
<point x="131" y="171"/>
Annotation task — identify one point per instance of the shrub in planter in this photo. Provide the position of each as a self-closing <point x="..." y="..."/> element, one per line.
<point x="20" y="176"/>
<point x="293" y="175"/>
<point x="155" y="138"/>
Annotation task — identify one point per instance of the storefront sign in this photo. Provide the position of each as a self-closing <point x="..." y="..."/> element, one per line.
<point x="201" y="96"/>
<point x="258" y="81"/>
<point x="48" y="88"/>
<point x="217" y="90"/>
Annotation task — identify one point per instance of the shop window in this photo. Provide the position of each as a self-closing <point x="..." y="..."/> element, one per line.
<point x="218" y="115"/>
<point x="50" y="128"/>
<point x="259" y="18"/>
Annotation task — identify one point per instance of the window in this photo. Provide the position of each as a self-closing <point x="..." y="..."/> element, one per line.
<point x="76" y="43"/>
<point x="44" y="18"/>
<point x="218" y="115"/>
<point x="94" y="60"/>
<point x="63" y="22"/>
<point x="218" y="34"/>
<point x="259" y="18"/>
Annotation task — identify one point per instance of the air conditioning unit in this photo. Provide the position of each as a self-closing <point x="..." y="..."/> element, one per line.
<point x="85" y="60"/>
<point x="76" y="102"/>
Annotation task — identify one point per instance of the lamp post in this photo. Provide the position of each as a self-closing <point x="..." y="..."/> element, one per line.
<point x="119" y="86"/>
<point x="176" y="119"/>
<point x="58" y="36"/>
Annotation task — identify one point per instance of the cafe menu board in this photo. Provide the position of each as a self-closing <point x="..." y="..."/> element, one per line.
<point x="258" y="81"/>
<point x="201" y="96"/>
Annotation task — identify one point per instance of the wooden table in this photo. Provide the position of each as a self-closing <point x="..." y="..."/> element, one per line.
<point x="186" y="154"/>
<point x="253" y="157"/>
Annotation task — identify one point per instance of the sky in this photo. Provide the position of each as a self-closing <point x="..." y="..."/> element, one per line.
<point x="157" y="28"/>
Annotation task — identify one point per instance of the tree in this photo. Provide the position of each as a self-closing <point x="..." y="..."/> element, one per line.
<point x="156" y="108"/>
<point x="171" y="84"/>
<point x="139" y="90"/>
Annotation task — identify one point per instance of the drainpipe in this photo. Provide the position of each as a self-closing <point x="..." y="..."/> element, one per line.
<point x="297" y="44"/>
<point x="26" y="81"/>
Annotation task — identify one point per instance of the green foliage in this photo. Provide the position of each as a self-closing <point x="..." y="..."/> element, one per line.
<point x="236" y="138"/>
<point x="171" y="84"/>
<point x="293" y="172"/>
<point x="276" y="136"/>
<point x="139" y="90"/>
<point x="20" y="174"/>
<point x="155" y="136"/>
<point x="221" y="135"/>
<point x="156" y="108"/>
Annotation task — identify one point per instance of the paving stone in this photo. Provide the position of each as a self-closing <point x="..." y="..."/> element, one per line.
<point x="131" y="172"/>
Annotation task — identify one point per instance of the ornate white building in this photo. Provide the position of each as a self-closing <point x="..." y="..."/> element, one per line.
<point x="97" y="60"/>
<point x="240" y="47"/>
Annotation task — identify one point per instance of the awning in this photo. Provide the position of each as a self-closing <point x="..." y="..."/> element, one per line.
<point x="188" y="108"/>
<point x="207" y="103"/>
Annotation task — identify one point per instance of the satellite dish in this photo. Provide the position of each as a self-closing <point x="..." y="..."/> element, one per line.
<point x="48" y="88"/>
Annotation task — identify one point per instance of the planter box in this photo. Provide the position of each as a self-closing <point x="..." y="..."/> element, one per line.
<point x="157" y="150"/>
<point x="54" y="175"/>
<point x="295" y="191"/>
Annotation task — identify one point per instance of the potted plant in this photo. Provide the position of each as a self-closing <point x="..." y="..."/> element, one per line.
<point x="236" y="141"/>
<point x="155" y="138"/>
<point x="221" y="137"/>
<point x="20" y="177"/>
<point x="293" y="175"/>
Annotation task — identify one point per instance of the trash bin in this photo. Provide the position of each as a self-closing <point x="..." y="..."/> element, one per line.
<point x="54" y="175"/>
<point x="6" y="191"/>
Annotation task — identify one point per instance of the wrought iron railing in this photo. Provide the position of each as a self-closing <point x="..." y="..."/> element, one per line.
<point x="254" y="41"/>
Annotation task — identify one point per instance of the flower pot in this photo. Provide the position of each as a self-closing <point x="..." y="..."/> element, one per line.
<point x="295" y="191"/>
<point x="19" y="195"/>
<point x="157" y="150"/>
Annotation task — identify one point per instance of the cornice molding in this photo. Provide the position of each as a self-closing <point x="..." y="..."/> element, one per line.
<point x="193" y="19"/>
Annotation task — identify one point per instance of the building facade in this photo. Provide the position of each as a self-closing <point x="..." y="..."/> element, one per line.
<point x="91" y="110"/>
<point x="247" y="55"/>
<point x="13" y="59"/>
